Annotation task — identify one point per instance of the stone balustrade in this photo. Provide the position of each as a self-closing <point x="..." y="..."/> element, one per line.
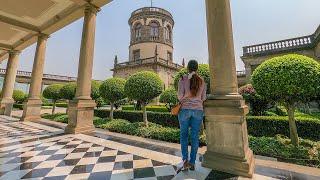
<point x="277" y="46"/>
<point x="45" y="76"/>
<point x="149" y="61"/>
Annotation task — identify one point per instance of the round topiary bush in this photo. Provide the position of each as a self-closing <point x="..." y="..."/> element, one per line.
<point x="68" y="91"/>
<point x="169" y="97"/>
<point x="53" y="92"/>
<point x="143" y="86"/>
<point x="288" y="79"/>
<point x="112" y="90"/>
<point x="18" y="96"/>
<point x="203" y="71"/>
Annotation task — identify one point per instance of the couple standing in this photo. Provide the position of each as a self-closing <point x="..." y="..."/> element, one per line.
<point x="191" y="95"/>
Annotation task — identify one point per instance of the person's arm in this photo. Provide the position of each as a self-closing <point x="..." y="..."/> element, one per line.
<point x="181" y="90"/>
<point x="204" y="92"/>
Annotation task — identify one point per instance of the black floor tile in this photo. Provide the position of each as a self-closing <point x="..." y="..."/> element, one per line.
<point x="100" y="175"/>
<point x="123" y="165"/>
<point x="57" y="157"/>
<point x="35" y="173"/>
<point x="106" y="159"/>
<point x="92" y="154"/>
<point x="80" y="169"/>
<point x="68" y="162"/>
<point x="143" y="172"/>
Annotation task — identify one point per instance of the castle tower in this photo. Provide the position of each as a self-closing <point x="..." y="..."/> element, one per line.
<point x="151" y="30"/>
<point x="151" y="47"/>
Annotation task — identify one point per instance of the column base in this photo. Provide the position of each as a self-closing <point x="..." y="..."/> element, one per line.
<point x="31" y="110"/>
<point x="227" y="137"/>
<point x="6" y="105"/>
<point x="80" y="114"/>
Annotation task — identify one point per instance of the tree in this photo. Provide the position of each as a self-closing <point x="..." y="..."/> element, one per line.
<point x="169" y="97"/>
<point x="53" y="92"/>
<point x="288" y="79"/>
<point x="203" y="71"/>
<point x="258" y="104"/>
<point x="18" y="96"/>
<point x="68" y="91"/>
<point x="112" y="90"/>
<point x="143" y="86"/>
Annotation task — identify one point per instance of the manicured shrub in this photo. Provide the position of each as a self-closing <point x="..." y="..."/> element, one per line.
<point x="164" y="119"/>
<point x="53" y="92"/>
<point x="272" y="125"/>
<point x="143" y="86"/>
<point x="18" y="96"/>
<point x="288" y="79"/>
<point x="169" y="97"/>
<point x="148" y="108"/>
<point x="257" y="125"/>
<point x="258" y="104"/>
<point x="112" y="90"/>
<point x="203" y="71"/>
<point x="18" y="106"/>
<point x="68" y="91"/>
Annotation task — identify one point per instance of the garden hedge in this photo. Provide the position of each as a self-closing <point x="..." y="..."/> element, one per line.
<point x="149" y="108"/>
<point x="308" y="128"/>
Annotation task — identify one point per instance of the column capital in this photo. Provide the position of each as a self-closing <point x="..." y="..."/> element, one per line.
<point x="91" y="8"/>
<point x="43" y="36"/>
<point x="14" y="52"/>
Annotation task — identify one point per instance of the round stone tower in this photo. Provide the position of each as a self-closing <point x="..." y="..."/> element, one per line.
<point x="151" y="34"/>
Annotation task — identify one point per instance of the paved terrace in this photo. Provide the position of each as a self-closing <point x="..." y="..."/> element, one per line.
<point x="37" y="150"/>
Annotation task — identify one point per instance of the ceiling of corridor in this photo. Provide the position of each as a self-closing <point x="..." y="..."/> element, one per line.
<point x="21" y="20"/>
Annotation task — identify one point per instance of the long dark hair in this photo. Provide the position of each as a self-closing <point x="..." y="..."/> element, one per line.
<point x="195" y="81"/>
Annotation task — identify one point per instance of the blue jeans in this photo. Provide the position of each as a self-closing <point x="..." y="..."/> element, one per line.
<point x="193" y="119"/>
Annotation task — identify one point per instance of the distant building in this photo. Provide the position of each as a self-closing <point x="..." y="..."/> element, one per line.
<point x="254" y="55"/>
<point x="151" y="46"/>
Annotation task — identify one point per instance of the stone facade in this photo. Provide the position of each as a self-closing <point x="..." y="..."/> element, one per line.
<point x="151" y="47"/>
<point x="254" y="55"/>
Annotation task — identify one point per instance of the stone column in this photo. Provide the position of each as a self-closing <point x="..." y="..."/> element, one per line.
<point x="225" y="110"/>
<point x="32" y="106"/>
<point x="7" y="101"/>
<point x="80" y="110"/>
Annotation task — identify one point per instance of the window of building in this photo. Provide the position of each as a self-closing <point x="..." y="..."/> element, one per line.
<point x="167" y="33"/>
<point x="154" y="29"/>
<point x="137" y="31"/>
<point x="169" y="56"/>
<point x="136" y="54"/>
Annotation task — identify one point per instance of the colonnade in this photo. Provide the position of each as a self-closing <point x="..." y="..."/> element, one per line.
<point x="225" y="110"/>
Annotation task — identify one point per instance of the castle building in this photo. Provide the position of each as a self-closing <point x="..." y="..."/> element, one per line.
<point x="255" y="55"/>
<point x="151" y="45"/>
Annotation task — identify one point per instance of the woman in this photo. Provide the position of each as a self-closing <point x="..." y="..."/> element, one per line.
<point x="191" y="94"/>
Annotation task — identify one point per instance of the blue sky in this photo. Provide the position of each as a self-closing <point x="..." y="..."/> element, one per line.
<point x="254" y="21"/>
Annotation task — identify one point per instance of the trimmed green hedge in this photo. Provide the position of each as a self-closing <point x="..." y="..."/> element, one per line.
<point x="308" y="128"/>
<point x="18" y="106"/>
<point x="164" y="119"/>
<point x="149" y="108"/>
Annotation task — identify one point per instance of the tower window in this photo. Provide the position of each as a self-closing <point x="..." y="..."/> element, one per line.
<point x="136" y="54"/>
<point x="154" y="29"/>
<point x="137" y="31"/>
<point x="169" y="56"/>
<point x="168" y="33"/>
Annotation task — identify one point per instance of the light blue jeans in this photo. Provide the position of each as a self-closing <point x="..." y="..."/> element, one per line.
<point x="189" y="118"/>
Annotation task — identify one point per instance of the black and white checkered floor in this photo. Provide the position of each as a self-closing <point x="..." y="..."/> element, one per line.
<point x="31" y="152"/>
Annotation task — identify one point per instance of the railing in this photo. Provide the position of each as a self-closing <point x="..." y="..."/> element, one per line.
<point x="151" y="9"/>
<point x="148" y="61"/>
<point x="284" y="45"/>
<point x="45" y="76"/>
<point x="277" y="46"/>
